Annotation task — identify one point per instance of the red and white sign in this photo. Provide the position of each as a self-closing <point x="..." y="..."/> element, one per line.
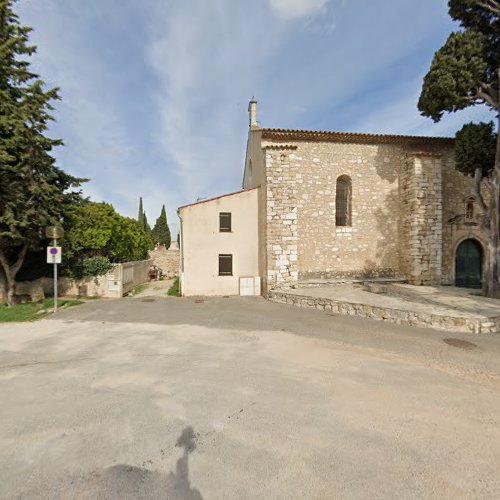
<point x="54" y="255"/>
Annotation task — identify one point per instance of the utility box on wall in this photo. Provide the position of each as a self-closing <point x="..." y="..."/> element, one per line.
<point x="250" y="286"/>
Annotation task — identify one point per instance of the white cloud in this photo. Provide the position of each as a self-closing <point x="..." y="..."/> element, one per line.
<point x="100" y="135"/>
<point x="172" y="127"/>
<point x="207" y="72"/>
<point x="295" y="9"/>
<point x="401" y="116"/>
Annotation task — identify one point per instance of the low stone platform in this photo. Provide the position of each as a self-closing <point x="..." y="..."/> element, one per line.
<point x="442" y="308"/>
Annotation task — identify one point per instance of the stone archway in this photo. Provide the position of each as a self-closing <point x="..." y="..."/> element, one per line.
<point x="469" y="264"/>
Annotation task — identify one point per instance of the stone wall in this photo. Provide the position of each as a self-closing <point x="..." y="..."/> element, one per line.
<point x="421" y="219"/>
<point x="369" y="246"/>
<point x="167" y="260"/>
<point x="457" y="188"/>
<point x="398" y="316"/>
<point x="302" y="240"/>
<point x="407" y="212"/>
<point x="119" y="281"/>
<point x="282" y="177"/>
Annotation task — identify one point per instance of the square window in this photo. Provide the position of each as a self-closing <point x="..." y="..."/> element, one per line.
<point x="225" y="265"/>
<point x="225" y="222"/>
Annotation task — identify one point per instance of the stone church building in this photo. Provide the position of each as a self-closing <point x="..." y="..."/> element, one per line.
<point x="337" y="205"/>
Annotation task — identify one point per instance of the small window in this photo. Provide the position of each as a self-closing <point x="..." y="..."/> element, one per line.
<point x="225" y="222"/>
<point x="225" y="265"/>
<point x="343" y="201"/>
<point x="469" y="209"/>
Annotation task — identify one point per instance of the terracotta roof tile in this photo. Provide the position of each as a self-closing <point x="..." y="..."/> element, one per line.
<point x="325" y="135"/>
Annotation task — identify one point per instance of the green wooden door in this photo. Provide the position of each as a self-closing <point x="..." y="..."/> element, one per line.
<point x="468" y="264"/>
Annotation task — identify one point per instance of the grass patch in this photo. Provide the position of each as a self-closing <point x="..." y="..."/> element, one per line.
<point x="175" y="289"/>
<point x="31" y="312"/>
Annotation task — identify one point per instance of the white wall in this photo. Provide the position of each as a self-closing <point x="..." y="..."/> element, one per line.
<point x="202" y="242"/>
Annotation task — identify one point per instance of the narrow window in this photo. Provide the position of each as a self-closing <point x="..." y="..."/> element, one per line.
<point x="225" y="222"/>
<point x="343" y="201"/>
<point x="469" y="209"/>
<point x="225" y="265"/>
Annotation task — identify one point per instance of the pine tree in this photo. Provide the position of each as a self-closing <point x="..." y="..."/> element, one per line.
<point x="33" y="191"/>
<point x="161" y="231"/>
<point x="466" y="72"/>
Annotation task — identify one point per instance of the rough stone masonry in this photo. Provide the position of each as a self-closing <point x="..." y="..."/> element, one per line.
<point x="406" y="206"/>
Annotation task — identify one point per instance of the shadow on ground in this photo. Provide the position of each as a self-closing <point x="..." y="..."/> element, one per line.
<point x="122" y="481"/>
<point x="245" y="313"/>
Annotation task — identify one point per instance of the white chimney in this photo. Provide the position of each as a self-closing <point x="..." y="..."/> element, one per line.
<point x="252" y="113"/>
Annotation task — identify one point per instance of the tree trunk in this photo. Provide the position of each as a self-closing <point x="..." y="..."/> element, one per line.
<point x="11" y="271"/>
<point x="491" y="286"/>
<point x="3" y="286"/>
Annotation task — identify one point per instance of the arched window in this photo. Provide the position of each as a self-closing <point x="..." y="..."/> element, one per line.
<point x="469" y="209"/>
<point x="343" y="201"/>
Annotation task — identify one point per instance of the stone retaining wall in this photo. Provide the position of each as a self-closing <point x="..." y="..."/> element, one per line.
<point x="167" y="260"/>
<point x="121" y="279"/>
<point x="398" y="316"/>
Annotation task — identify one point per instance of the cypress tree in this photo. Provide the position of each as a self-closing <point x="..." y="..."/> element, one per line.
<point x="34" y="192"/>
<point x="140" y="215"/>
<point x="147" y="230"/>
<point x="161" y="231"/>
<point x="465" y="72"/>
<point x="143" y="221"/>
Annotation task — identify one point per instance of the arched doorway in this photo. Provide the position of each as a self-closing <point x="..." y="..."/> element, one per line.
<point x="468" y="264"/>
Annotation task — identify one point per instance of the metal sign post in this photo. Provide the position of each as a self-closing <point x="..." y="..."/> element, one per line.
<point x="54" y="243"/>
<point x="54" y="254"/>
<point x="54" y="257"/>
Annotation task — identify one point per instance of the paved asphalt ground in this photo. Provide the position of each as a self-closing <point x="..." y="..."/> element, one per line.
<point x="240" y="398"/>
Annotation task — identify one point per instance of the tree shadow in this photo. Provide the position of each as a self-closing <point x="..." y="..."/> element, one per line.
<point x="388" y="247"/>
<point x="392" y="166"/>
<point x="131" y="482"/>
<point x="385" y="259"/>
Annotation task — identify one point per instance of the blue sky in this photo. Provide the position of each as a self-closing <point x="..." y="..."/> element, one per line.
<point x="155" y="92"/>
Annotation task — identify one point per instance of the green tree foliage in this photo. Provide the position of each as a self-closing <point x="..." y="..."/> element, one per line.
<point x="33" y="191"/>
<point x="161" y="231"/>
<point x="140" y="215"/>
<point x="96" y="230"/>
<point x="148" y="231"/>
<point x="475" y="146"/>
<point x="452" y="82"/>
<point x="92" y="266"/>
<point x="143" y="221"/>
<point x="465" y="72"/>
